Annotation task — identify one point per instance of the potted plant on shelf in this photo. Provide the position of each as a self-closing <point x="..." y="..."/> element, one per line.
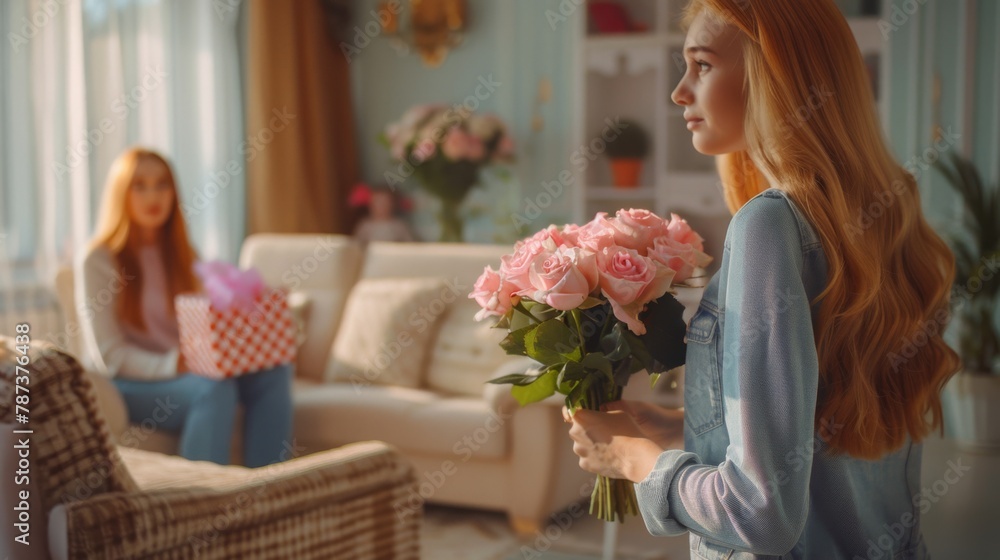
<point x="626" y="153"/>
<point x="972" y="398"/>
<point x="445" y="148"/>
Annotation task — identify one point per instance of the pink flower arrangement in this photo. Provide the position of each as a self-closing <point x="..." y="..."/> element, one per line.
<point x="587" y="302"/>
<point x="627" y="260"/>
<point x="444" y="149"/>
<point x="457" y="134"/>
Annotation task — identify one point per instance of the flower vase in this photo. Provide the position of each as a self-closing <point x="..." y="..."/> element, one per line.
<point x="451" y="222"/>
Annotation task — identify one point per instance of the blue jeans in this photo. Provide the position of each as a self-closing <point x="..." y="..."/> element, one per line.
<point x="202" y="412"/>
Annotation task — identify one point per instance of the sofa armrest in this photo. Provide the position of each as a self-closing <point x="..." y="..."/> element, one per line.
<point x="321" y="505"/>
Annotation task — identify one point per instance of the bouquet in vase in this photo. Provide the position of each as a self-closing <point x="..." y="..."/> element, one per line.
<point x="445" y="148"/>
<point x="589" y="304"/>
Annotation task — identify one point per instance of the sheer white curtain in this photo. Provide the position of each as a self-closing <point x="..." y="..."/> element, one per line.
<point x="83" y="80"/>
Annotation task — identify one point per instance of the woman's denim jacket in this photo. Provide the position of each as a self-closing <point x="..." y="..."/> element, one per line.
<point x="754" y="479"/>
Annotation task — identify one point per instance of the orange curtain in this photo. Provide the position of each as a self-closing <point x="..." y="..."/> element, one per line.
<point x="301" y="151"/>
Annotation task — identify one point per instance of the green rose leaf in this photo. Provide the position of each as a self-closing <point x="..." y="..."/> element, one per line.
<point x="623" y="371"/>
<point x="514" y="343"/>
<point x="615" y="344"/>
<point x="641" y="357"/>
<point x="578" y="396"/>
<point x="552" y="343"/>
<point x="571" y="371"/>
<point x="543" y="387"/>
<point x="595" y="361"/>
<point x="514" y="379"/>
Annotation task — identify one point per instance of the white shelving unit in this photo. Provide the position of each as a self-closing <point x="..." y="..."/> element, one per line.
<point x="631" y="76"/>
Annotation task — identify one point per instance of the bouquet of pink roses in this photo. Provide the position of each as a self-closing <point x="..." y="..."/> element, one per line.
<point x="587" y="302"/>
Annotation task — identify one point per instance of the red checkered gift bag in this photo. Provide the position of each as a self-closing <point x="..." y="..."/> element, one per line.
<point x="238" y="326"/>
<point x="222" y="343"/>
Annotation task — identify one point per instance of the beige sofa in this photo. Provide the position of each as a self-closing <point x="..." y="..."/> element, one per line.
<point x="471" y="443"/>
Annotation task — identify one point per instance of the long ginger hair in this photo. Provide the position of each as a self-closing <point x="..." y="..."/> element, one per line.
<point x="882" y="360"/>
<point x="117" y="233"/>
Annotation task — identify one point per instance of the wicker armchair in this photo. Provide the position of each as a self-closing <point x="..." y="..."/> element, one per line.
<point x="104" y="501"/>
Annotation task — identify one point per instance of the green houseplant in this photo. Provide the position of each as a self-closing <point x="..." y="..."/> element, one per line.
<point x="972" y="398"/>
<point x="626" y="153"/>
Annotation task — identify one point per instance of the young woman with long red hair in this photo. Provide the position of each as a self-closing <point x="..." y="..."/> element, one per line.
<point x="138" y="260"/>
<point x="800" y="435"/>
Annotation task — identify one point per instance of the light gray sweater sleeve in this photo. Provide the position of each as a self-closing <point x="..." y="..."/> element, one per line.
<point x="97" y="288"/>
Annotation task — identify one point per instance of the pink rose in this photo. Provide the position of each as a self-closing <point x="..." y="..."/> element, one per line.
<point x="630" y="281"/>
<point x="424" y="150"/>
<point x="475" y="150"/>
<point x="493" y="294"/>
<point x="679" y="257"/>
<point x="636" y="229"/>
<point x="505" y="148"/>
<point x="564" y="279"/>
<point x="515" y="267"/>
<point x="459" y="144"/>
<point x="551" y="232"/>
<point x="679" y="230"/>
<point x="596" y="234"/>
<point x="484" y="126"/>
<point x="570" y="234"/>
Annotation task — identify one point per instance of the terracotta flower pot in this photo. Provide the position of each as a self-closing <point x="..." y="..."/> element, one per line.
<point x="625" y="172"/>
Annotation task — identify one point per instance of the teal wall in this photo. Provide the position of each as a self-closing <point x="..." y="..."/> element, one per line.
<point x="511" y="40"/>
<point x="514" y="41"/>
<point x="955" y="42"/>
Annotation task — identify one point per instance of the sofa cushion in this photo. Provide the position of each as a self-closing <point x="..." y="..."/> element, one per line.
<point x="414" y="420"/>
<point x="467" y="352"/>
<point x="387" y="328"/>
